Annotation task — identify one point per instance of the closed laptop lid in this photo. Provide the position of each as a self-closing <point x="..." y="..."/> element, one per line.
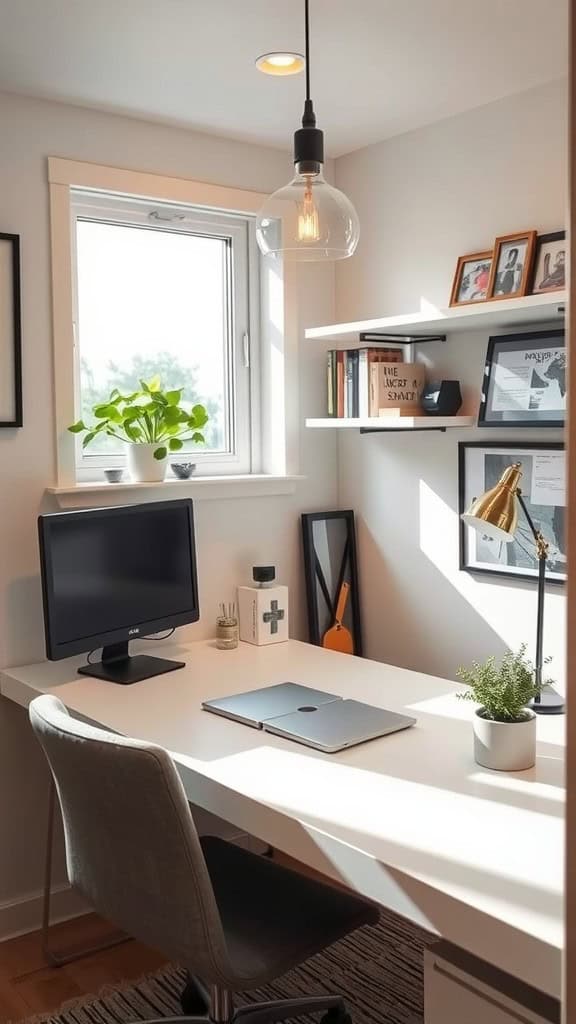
<point x="333" y="726"/>
<point x="254" y="706"/>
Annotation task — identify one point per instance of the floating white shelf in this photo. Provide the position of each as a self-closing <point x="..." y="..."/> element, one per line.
<point x="501" y="313"/>
<point x="391" y="423"/>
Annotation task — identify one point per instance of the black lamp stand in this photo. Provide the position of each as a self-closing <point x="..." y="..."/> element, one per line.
<point x="547" y="701"/>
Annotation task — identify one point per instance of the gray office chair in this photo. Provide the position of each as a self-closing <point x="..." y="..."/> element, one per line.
<point x="234" y="919"/>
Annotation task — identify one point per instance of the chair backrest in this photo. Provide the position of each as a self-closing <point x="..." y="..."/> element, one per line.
<point x="131" y="845"/>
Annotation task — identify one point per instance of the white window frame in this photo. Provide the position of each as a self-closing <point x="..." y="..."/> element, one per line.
<point x="242" y="372"/>
<point x="273" y="301"/>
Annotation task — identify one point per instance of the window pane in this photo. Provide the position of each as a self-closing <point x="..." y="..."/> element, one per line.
<point x="153" y="302"/>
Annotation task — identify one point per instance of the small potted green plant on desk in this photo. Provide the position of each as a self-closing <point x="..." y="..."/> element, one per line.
<point x="152" y="422"/>
<point x="504" y="725"/>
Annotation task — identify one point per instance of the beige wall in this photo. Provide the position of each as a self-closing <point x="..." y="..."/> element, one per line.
<point x="232" y="534"/>
<point x="424" y="199"/>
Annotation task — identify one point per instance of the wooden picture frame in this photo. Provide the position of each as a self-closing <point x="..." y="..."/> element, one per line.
<point x="549" y="276"/>
<point x="10" y="332"/>
<point x="480" y="465"/>
<point x="512" y="265"/>
<point x="524" y="383"/>
<point x="477" y="260"/>
<point x="329" y="544"/>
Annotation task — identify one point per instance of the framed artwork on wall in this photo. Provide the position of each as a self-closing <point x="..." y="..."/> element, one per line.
<point x="524" y="381"/>
<point x="472" y="278"/>
<point x="512" y="265"/>
<point x="10" y="333"/>
<point x="329" y="542"/>
<point x="543" y="485"/>
<point x="550" y="263"/>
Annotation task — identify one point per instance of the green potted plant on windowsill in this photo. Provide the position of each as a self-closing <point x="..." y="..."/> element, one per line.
<point x="152" y="422"/>
<point x="504" y="725"/>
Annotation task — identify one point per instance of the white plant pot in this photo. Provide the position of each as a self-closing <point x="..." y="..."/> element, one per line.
<point x="142" y="465"/>
<point x="505" y="746"/>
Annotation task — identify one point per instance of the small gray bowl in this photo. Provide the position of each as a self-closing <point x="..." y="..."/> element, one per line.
<point x="183" y="470"/>
<point x="114" y="476"/>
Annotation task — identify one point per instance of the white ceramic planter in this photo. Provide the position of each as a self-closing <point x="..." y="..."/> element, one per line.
<point x="505" y="746"/>
<point x="142" y="465"/>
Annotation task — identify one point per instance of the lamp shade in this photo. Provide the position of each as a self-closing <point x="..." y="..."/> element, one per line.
<point x="306" y="220"/>
<point x="495" y="514"/>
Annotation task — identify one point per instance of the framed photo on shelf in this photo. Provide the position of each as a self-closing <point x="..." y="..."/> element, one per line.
<point x="10" y="333"/>
<point x="550" y="263"/>
<point x="543" y="486"/>
<point x="472" y="278"/>
<point x="524" y="381"/>
<point x="512" y="265"/>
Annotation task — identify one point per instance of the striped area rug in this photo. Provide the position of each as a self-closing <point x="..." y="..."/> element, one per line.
<point x="378" y="969"/>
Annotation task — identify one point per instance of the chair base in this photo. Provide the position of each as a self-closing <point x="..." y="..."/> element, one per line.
<point x="216" y="1006"/>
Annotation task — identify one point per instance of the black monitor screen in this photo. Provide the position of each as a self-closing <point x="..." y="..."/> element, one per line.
<point x="113" y="573"/>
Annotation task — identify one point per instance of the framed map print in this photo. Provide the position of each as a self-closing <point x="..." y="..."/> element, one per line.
<point x="543" y="486"/>
<point x="524" y="381"/>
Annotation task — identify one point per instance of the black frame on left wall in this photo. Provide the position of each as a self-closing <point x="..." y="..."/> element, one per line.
<point x="11" y="346"/>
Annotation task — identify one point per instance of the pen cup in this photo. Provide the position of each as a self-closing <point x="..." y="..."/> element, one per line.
<point x="226" y="632"/>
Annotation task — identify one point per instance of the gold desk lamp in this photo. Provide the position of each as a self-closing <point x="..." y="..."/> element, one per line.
<point x="495" y="514"/>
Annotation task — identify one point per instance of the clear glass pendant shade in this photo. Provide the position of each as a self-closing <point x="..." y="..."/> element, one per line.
<point x="308" y="220"/>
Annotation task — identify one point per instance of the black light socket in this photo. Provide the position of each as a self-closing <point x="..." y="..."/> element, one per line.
<point x="308" y="143"/>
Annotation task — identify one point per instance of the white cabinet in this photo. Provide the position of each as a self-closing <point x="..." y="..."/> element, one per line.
<point x="460" y="989"/>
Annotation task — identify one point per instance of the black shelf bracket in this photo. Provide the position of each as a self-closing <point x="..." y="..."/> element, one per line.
<point x="382" y="337"/>
<point x="400" y="430"/>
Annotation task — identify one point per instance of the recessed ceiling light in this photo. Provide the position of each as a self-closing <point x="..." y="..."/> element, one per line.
<point x="280" y="63"/>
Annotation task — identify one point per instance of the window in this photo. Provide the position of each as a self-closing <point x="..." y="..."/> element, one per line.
<point x="164" y="289"/>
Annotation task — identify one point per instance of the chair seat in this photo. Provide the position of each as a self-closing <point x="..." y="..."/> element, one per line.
<point x="275" y="918"/>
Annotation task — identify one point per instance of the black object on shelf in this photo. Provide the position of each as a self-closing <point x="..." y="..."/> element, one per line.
<point x="442" y="398"/>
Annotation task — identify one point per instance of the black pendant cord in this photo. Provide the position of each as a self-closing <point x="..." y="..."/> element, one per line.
<point x="308" y="140"/>
<point x="307" y="45"/>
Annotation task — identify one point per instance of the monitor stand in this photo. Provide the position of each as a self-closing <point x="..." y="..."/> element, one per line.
<point x="117" y="666"/>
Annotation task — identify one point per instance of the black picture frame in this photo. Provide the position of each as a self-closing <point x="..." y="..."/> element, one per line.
<point x="330" y="558"/>
<point x="11" y="345"/>
<point x="524" y="343"/>
<point x="511" y="451"/>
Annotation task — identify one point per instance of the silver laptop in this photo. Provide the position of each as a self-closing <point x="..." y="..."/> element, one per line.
<point x="312" y="717"/>
<point x="254" y="707"/>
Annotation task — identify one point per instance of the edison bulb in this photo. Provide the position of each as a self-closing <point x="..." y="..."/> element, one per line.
<point x="308" y="220"/>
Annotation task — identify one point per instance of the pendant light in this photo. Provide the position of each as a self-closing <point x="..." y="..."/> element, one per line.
<point x="308" y="219"/>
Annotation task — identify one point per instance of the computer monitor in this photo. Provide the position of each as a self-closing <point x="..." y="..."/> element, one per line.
<point x="111" y="574"/>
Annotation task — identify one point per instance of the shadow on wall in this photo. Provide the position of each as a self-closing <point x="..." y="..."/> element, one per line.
<point x="24" y="621"/>
<point x="396" y="634"/>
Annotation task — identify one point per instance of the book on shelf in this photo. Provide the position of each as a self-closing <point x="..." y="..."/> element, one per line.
<point x="349" y="378"/>
<point x="396" y="386"/>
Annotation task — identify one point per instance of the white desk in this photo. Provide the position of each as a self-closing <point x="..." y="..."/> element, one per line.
<point x="409" y="820"/>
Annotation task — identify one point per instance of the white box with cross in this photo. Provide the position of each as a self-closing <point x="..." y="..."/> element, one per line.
<point x="263" y="614"/>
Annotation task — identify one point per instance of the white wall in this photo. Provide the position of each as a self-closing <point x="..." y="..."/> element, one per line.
<point x="232" y="534"/>
<point x="423" y="199"/>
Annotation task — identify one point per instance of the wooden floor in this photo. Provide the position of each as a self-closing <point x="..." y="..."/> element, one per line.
<point x="28" y="987"/>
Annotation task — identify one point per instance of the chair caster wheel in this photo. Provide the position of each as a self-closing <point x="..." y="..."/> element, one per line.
<point x="192" y="1001"/>
<point x="336" y="1017"/>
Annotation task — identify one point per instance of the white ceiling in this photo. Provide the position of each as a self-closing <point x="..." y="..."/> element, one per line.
<point x="379" y="67"/>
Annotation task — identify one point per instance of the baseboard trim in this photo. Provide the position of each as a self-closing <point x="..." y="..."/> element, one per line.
<point x="24" y="914"/>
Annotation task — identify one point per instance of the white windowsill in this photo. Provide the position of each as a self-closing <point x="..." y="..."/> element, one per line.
<point x="254" y="485"/>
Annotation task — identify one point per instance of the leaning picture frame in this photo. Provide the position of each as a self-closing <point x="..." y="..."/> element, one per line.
<point x="330" y="560"/>
<point x="543" y="484"/>
<point x="524" y="383"/>
<point x="512" y="265"/>
<point x="10" y="332"/>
